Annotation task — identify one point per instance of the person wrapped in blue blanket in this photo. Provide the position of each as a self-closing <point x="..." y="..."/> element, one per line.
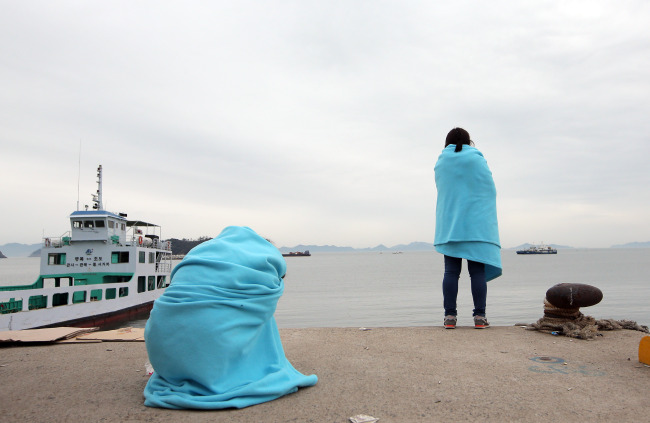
<point x="466" y="223"/>
<point x="211" y="337"/>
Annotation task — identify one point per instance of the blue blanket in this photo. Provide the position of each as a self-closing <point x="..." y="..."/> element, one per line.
<point x="211" y="337"/>
<point x="466" y="209"/>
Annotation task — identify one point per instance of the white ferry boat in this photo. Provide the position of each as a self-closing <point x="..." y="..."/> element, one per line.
<point x="105" y="269"/>
<point x="538" y="249"/>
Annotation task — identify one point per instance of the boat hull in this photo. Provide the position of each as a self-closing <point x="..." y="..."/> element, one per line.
<point x="87" y="314"/>
<point x="106" y="319"/>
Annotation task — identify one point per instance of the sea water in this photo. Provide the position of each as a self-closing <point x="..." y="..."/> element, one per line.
<point x="372" y="289"/>
<point x="405" y="289"/>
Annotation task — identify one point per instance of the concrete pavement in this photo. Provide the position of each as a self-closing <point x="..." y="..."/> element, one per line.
<point x="414" y="374"/>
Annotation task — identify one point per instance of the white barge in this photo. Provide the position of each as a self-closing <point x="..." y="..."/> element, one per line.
<point x="105" y="269"/>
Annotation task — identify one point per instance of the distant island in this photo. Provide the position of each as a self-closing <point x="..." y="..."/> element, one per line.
<point x="14" y="249"/>
<point x="633" y="245"/>
<point x="413" y="246"/>
<point x="183" y="246"/>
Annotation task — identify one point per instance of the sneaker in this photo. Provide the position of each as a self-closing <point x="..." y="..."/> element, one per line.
<point x="480" y="322"/>
<point x="450" y="322"/>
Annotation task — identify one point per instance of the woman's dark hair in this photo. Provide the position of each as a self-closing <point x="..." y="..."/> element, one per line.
<point x="458" y="136"/>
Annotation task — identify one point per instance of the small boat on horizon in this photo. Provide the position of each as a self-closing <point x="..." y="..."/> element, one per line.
<point x="297" y="254"/>
<point x="538" y="249"/>
<point x="105" y="269"/>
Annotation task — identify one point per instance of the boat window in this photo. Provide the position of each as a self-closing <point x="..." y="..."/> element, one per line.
<point x="37" y="301"/>
<point x="110" y="294"/>
<point x="13" y="305"/>
<point x="111" y="224"/>
<point x="56" y="259"/>
<point x="119" y="257"/>
<point x="152" y="257"/>
<point x="114" y="279"/>
<point x="88" y="224"/>
<point x="142" y="257"/>
<point x="123" y="227"/>
<point x="76" y="224"/>
<point x="124" y="292"/>
<point x="79" y="297"/>
<point x="100" y="224"/>
<point x="141" y="284"/>
<point x="151" y="283"/>
<point x="60" y="299"/>
<point x="96" y="295"/>
<point x="161" y="282"/>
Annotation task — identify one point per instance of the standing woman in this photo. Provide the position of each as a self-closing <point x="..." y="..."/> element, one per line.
<point x="466" y="223"/>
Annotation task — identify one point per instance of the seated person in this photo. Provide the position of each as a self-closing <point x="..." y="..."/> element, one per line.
<point x="211" y="337"/>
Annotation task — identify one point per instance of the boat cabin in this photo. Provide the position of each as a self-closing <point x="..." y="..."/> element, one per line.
<point x="98" y="225"/>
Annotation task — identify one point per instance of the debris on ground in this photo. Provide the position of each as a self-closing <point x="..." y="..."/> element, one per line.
<point x="363" y="418"/>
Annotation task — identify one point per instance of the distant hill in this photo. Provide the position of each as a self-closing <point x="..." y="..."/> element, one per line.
<point x="19" y="250"/>
<point x="413" y="246"/>
<point x="317" y="248"/>
<point x="633" y="245"/>
<point x="183" y="246"/>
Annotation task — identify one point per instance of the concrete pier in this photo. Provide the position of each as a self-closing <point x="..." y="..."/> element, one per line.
<point x="418" y="374"/>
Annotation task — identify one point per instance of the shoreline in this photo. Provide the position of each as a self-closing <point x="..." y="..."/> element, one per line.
<point x="402" y="374"/>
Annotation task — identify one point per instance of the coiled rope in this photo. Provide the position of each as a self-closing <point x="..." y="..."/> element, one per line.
<point x="572" y="323"/>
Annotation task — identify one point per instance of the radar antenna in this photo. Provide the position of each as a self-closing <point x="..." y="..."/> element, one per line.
<point x="97" y="198"/>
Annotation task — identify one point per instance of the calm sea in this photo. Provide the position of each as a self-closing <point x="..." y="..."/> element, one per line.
<point x="373" y="289"/>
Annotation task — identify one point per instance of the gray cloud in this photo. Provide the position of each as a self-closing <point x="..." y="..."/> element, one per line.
<point x="320" y="122"/>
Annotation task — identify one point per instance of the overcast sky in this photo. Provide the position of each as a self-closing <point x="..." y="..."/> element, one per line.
<point x="319" y="122"/>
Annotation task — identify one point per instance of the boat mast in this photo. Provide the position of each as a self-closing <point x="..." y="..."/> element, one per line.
<point x="97" y="198"/>
<point x="78" y="175"/>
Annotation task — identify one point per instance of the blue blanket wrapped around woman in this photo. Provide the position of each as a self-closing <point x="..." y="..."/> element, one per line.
<point x="466" y="210"/>
<point x="211" y="337"/>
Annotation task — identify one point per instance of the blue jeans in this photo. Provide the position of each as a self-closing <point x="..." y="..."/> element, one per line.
<point x="476" y="270"/>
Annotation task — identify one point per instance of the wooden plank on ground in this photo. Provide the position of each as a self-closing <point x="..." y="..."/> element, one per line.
<point x="42" y="335"/>
<point x="124" y="334"/>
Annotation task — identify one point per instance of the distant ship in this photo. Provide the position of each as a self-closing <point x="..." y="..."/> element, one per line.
<point x="538" y="249"/>
<point x="297" y="254"/>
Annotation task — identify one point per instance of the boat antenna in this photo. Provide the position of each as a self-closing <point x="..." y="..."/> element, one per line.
<point x="78" y="175"/>
<point x="97" y="198"/>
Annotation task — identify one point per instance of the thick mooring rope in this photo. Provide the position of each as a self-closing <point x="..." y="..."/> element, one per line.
<point x="572" y="323"/>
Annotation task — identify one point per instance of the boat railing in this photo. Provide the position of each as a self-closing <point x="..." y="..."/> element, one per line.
<point x="163" y="267"/>
<point x="58" y="242"/>
<point x="143" y="241"/>
<point x="136" y="240"/>
<point x="27" y="299"/>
